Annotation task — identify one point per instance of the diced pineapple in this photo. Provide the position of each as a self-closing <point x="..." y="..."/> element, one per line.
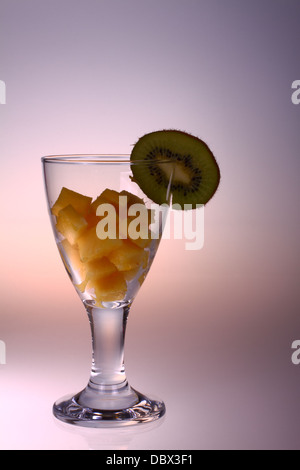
<point x="128" y="256"/>
<point x="133" y="225"/>
<point x="71" y="259"/>
<point x="108" y="289"/>
<point x="144" y="235"/>
<point x="96" y="269"/>
<point x="82" y="286"/>
<point x="142" y="277"/>
<point x="108" y="196"/>
<point x="80" y="202"/>
<point x="103" y="267"/>
<point x="100" y="268"/>
<point x="70" y="224"/>
<point x="91" y="247"/>
<point x="142" y="242"/>
<point x="92" y="219"/>
<point x="129" y="275"/>
<point x="123" y="220"/>
<point x="131" y="198"/>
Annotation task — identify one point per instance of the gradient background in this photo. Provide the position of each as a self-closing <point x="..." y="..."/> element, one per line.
<point x="211" y="330"/>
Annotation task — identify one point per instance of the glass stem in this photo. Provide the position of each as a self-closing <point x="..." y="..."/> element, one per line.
<point x="108" y="334"/>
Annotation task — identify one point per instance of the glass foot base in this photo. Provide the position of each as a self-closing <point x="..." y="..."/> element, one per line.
<point x="73" y="410"/>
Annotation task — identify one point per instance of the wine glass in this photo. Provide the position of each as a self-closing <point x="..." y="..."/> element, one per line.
<point x="107" y="232"/>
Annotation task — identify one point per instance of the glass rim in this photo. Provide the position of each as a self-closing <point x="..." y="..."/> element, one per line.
<point x="97" y="159"/>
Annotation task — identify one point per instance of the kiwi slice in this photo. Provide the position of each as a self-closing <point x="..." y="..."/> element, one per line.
<point x="195" y="172"/>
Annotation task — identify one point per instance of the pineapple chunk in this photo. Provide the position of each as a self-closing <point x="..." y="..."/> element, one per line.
<point x="91" y="247"/>
<point x="129" y="275"/>
<point x="80" y="202"/>
<point x="108" y="289"/>
<point x="131" y="198"/>
<point x="128" y="257"/>
<point x="70" y="224"/>
<point x="144" y="234"/>
<point x="142" y="277"/>
<point x="100" y="268"/>
<point x="108" y="196"/>
<point x="142" y="242"/>
<point x="71" y="259"/>
<point x="96" y="269"/>
<point x="142" y="229"/>
<point x="123" y="221"/>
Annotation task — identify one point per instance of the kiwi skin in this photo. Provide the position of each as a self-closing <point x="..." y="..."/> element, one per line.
<point x="196" y="174"/>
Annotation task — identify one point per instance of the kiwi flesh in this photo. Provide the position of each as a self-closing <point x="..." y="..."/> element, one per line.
<point x="176" y="163"/>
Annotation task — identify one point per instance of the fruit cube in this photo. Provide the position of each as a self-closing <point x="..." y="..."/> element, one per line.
<point x="136" y="224"/>
<point x="142" y="232"/>
<point x="96" y="269"/>
<point x="129" y="275"/>
<point x="131" y="198"/>
<point x="108" y="196"/>
<point x="91" y="247"/>
<point x="99" y="268"/>
<point x="128" y="256"/>
<point x="80" y="202"/>
<point x="71" y="259"/>
<point x="142" y="242"/>
<point x="108" y="289"/>
<point x="70" y="224"/>
<point x="142" y="277"/>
